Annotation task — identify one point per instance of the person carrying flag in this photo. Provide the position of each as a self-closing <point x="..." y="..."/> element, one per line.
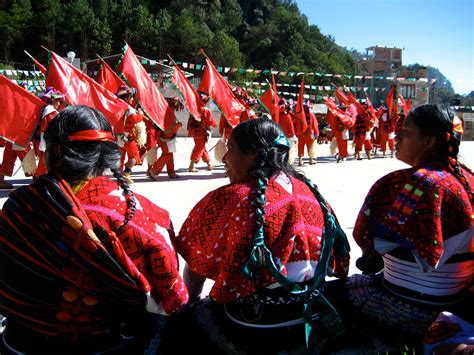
<point x="53" y="99"/>
<point x="362" y="130"/>
<point x="200" y="130"/>
<point x="307" y="135"/>
<point x="134" y="132"/>
<point x="341" y="121"/>
<point x="9" y="157"/>
<point x="387" y="131"/>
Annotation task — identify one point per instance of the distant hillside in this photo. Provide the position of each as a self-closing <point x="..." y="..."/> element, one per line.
<point x="434" y="73"/>
<point x="468" y="100"/>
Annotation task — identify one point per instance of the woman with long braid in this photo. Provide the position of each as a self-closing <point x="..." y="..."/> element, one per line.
<point x="268" y="239"/>
<point x="83" y="261"/>
<point x="416" y="224"/>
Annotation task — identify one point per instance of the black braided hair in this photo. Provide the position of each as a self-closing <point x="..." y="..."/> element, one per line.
<point x="129" y="198"/>
<point x="256" y="137"/>
<point x="433" y="120"/>
<point x="76" y="161"/>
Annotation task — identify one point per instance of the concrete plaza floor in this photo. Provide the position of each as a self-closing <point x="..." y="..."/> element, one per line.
<point x="344" y="185"/>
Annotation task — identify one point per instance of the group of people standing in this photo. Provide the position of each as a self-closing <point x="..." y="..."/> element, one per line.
<point x="87" y="266"/>
<point x="142" y="139"/>
<point x="371" y="129"/>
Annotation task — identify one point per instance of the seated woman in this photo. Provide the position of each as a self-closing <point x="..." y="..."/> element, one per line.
<point x="83" y="261"/>
<point x="416" y="224"/>
<point x="266" y="239"/>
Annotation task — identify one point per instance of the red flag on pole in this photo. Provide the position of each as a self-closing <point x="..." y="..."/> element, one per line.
<point x="270" y="100"/>
<point x="80" y="89"/>
<point x="276" y="100"/>
<point x="151" y="100"/>
<point x="40" y="66"/>
<point x="404" y="105"/>
<point x="20" y="110"/>
<point x="299" y="109"/>
<point x="190" y="95"/>
<point x="267" y="100"/>
<point x="389" y="99"/>
<point x="108" y="78"/>
<point x="342" y="97"/>
<point x="213" y="84"/>
<point x="371" y="107"/>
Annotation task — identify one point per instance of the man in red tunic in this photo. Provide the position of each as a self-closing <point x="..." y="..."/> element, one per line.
<point x="307" y="135"/>
<point x="248" y="113"/>
<point x="133" y="133"/>
<point x="286" y="121"/>
<point x="200" y="130"/>
<point x="362" y="130"/>
<point x="167" y="142"/>
<point x="387" y="131"/>
<point x="53" y="98"/>
<point x="340" y="121"/>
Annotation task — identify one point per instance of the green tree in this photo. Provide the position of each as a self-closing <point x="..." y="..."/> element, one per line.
<point x="15" y="17"/>
<point x="78" y="28"/>
<point x="224" y="50"/>
<point x="190" y="36"/>
<point x="48" y="18"/>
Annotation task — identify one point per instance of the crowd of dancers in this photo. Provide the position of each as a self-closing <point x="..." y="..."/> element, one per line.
<point x="370" y="129"/>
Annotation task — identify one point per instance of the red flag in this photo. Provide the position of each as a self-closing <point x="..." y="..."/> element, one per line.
<point x="79" y="89"/>
<point x="330" y="103"/>
<point x="342" y="97"/>
<point x="267" y="100"/>
<point x="40" y="66"/>
<point x="299" y="109"/>
<point x="151" y="100"/>
<point x="191" y="97"/>
<point x="389" y="99"/>
<point x="372" y="109"/>
<point x="270" y="100"/>
<point x="404" y="105"/>
<point x="407" y="106"/>
<point x="219" y="89"/>
<point x="20" y="110"/>
<point x="108" y="78"/>
<point x="276" y="100"/>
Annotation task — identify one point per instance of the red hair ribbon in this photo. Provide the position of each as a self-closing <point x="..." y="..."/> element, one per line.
<point x="92" y="135"/>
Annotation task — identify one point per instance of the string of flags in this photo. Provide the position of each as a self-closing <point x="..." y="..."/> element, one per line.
<point x="26" y="73"/>
<point x="225" y="70"/>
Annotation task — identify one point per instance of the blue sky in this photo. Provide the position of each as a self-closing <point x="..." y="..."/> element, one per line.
<point x="439" y="33"/>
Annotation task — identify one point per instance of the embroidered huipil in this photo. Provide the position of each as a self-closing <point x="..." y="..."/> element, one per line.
<point x="215" y="240"/>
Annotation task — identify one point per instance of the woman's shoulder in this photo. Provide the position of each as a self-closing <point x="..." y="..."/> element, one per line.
<point x="427" y="177"/>
<point x="105" y="192"/>
<point x="236" y="189"/>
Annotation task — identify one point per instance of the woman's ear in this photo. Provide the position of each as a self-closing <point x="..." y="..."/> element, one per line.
<point x="430" y="142"/>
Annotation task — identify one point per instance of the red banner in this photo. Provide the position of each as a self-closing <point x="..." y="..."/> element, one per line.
<point x="342" y="97"/>
<point x="190" y="95"/>
<point x="79" y="89"/>
<point x="213" y="84"/>
<point x="150" y="99"/>
<point x="108" y="78"/>
<point x="299" y="109"/>
<point x="389" y="99"/>
<point x="40" y="66"/>
<point x="404" y="105"/>
<point x="20" y="110"/>
<point x="270" y="100"/>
